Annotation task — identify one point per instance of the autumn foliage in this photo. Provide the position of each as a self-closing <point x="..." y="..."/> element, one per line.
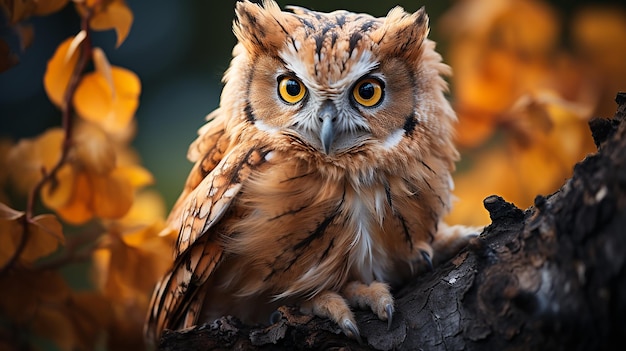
<point x="77" y="192"/>
<point x="87" y="174"/>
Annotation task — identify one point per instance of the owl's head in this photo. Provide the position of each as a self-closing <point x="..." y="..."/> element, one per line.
<point x="338" y="80"/>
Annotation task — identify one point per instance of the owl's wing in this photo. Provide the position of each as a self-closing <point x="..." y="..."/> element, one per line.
<point x="177" y="298"/>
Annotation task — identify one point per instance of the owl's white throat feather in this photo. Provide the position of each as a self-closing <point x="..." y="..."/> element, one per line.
<point x="369" y="260"/>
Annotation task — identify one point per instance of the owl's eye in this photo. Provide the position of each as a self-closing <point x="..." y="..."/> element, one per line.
<point x="368" y="92"/>
<point x="291" y="90"/>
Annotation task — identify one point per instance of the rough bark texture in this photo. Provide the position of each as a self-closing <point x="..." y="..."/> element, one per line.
<point x="551" y="277"/>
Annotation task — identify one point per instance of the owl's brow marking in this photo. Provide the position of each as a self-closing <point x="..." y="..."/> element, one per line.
<point x="365" y="27"/>
<point x="354" y="40"/>
<point x="306" y="23"/>
<point x="341" y="20"/>
<point x="333" y="39"/>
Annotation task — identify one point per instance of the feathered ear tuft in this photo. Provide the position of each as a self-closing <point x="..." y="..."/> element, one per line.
<point x="402" y="34"/>
<point x="262" y="28"/>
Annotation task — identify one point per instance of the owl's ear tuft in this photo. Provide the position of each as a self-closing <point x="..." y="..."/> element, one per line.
<point x="402" y="34"/>
<point x="262" y="28"/>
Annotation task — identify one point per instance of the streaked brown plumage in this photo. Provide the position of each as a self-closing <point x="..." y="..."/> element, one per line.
<point x="322" y="177"/>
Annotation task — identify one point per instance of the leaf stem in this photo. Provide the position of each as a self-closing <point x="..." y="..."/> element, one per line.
<point x="67" y="124"/>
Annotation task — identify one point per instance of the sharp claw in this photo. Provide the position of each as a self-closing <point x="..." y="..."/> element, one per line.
<point x="352" y="329"/>
<point x="389" y="310"/>
<point x="429" y="261"/>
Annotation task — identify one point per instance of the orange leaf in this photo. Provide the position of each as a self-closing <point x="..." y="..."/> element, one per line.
<point x="30" y="156"/>
<point x="58" y="193"/>
<point x="116" y="15"/>
<point x="60" y="68"/>
<point x="103" y="66"/>
<point x="112" y="195"/>
<point x="44" y="236"/>
<point x="137" y="175"/>
<point x="47" y="7"/>
<point x="147" y="209"/>
<point x="112" y="109"/>
<point x="94" y="150"/>
<point x="11" y="230"/>
<point x="78" y="208"/>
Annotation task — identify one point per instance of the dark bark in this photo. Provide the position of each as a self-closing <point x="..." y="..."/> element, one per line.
<point x="551" y="277"/>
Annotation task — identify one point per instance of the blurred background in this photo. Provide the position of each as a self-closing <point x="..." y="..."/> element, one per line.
<point x="180" y="49"/>
<point x="528" y="75"/>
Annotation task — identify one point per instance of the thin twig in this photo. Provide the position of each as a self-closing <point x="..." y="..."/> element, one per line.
<point x="79" y="249"/>
<point x="67" y="124"/>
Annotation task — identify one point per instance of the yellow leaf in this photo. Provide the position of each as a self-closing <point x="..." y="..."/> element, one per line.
<point x="112" y="195"/>
<point x="59" y="71"/>
<point x="57" y="193"/>
<point x="116" y="15"/>
<point x="29" y="157"/>
<point x="103" y="67"/>
<point x="94" y="150"/>
<point x="136" y="175"/>
<point x="78" y="209"/>
<point x="112" y="109"/>
<point x="147" y="209"/>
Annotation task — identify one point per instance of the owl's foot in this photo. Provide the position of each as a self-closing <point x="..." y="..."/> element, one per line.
<point x="329" y="304"/>
<point x="375" y="296"/>
<point x="450" y="239"/>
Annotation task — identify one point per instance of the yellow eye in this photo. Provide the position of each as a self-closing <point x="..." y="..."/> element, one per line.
<point x="291" y="90"/>
<point x="368" y="92"/>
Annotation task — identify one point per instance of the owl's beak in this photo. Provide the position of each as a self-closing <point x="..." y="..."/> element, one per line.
<point x="328" y="115"/>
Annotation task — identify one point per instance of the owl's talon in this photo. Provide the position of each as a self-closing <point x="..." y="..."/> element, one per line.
<point x="389" y="309"/>
<point x="429" y="261"/>
<point x="350" y="329"/>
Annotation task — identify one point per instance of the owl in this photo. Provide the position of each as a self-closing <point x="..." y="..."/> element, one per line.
<point x="322" y="178"/>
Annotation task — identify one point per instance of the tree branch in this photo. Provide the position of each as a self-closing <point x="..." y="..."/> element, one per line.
<point x="67" y="124"/>
<point x="552" y="277"/>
